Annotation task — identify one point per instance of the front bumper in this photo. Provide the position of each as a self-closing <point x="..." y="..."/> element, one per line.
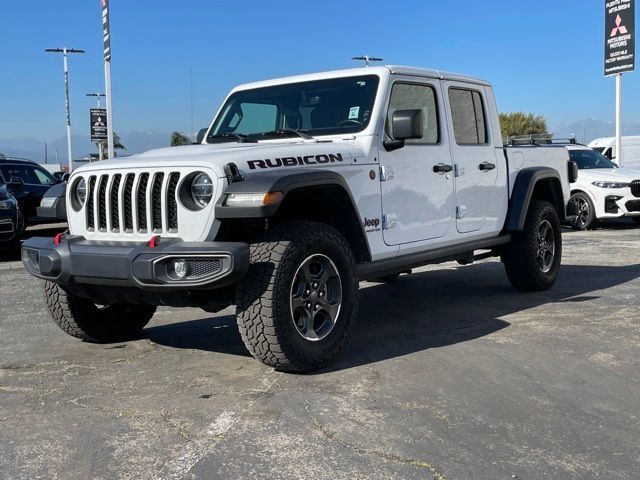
<point x="76" y="260"/>
<point x="8" y="227"/>
<point x="616" y="206"/>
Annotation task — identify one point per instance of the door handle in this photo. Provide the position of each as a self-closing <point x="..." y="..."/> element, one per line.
<point x="486" y="166"/>
<point x="442" y="168"/>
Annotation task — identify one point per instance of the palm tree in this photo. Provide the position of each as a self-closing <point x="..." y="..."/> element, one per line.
<point x="178" y="139"/>
<point x="117" y="144"/>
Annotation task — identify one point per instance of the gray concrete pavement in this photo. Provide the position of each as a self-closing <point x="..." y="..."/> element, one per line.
<point x="452" y="374"/>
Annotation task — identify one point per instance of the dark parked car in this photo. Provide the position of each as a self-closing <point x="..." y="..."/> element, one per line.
<point x="27" y="182"/>
<point x="11" y="221"/>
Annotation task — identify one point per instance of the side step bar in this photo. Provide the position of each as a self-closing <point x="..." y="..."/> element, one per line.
<point x="463" y="251"/>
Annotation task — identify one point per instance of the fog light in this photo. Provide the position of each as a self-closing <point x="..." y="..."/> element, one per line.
<point x="610" y="204"/>
<point x="177" y="269"/>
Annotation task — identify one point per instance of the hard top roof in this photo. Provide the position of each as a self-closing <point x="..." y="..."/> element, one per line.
<point x="15" y="160"/>
<point x="379" y="70"/>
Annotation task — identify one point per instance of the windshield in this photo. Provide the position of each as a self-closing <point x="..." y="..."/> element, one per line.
<point x="322" y="107"/>
<point x="590" y="159"/>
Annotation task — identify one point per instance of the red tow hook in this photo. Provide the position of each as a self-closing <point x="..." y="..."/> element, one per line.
<point x="154" y="242"/>
<point x="58" y="238"/>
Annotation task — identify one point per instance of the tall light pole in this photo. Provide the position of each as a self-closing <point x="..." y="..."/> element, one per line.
<point x="65" y="51"/>
<point x="98" y="96"/>
<point x="106" y="39"/>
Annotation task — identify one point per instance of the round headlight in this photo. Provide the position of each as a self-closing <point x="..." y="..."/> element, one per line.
<point x="202" y="190"/>
<point x="80" y="192"/>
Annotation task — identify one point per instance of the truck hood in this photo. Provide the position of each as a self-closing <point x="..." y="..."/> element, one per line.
<point x="249" y="157"/>
<point x="609" y="174"/>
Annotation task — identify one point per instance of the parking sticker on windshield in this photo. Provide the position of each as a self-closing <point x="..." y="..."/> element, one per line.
<point x="354" y="112"/>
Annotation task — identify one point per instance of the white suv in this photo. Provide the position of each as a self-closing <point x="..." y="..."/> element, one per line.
<point x="603" y="190"/>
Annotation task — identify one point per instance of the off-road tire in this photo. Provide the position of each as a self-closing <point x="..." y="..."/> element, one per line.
<point x="264" y="312"/>
<point x="589" y="221"/>
<point x="81" y="318"/>
<point x="520" y="256"/>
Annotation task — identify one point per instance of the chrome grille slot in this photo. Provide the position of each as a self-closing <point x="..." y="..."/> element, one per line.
<point x="102" y="203"/>
<point x="114" y="205"/>
<point x="635" y="188"/>
<point x="156" y="202"/>
<point x="142" y="202"/>
<point x="91" y="221"/>
<point x="127" y="202"/>
<point x="172" y="204"/>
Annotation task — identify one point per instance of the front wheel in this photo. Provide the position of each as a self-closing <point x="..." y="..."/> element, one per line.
<point x="586" y="216"/>
<point x="298" y="303"/>
<point x="532" y="259"/>
<point x="83" y="319"/>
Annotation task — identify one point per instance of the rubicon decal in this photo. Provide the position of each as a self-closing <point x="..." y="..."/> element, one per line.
<point x="295" y="161"/>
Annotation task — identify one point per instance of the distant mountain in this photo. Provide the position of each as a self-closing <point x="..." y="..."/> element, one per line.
<point x="590" y="128"/>
<point x="32" y="148"/>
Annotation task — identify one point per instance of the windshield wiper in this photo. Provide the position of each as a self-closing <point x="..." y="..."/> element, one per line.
<point x="238" y="137"/>
<point x="288" y="131"/>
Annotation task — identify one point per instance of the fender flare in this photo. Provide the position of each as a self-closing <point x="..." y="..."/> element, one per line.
<point x="523" y="189"/>
<point x="284" y="182"/>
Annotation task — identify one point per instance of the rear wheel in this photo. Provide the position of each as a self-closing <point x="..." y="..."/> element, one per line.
<point x="532" y="259"/>
<point x="298" y="303"/>
<point x="83" y="319"/>
<point x="586" y="217"/>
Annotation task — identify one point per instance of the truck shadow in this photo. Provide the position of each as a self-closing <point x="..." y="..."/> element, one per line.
<point x="421" y="311"/>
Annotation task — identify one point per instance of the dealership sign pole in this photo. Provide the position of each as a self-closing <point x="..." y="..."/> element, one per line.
<point x="619" y="52"/>
<point x="106" y="39"/>
<point x="65" y="52"/>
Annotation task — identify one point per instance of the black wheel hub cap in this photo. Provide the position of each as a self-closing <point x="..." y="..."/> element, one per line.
<point x="316" y="297"/>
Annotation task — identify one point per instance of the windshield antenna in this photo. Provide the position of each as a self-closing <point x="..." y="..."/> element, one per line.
<point x="367" y="59"/>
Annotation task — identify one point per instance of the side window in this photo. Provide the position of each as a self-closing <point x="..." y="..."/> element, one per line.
<point x="43" y="178"/>
<point x="405" y="96"/>
<point x="467" y="114"/>
<point x="257" y="117"/>
<point x="21" y="171"/>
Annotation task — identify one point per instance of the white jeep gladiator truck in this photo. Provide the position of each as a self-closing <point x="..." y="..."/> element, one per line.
<point x="299" y="189"/>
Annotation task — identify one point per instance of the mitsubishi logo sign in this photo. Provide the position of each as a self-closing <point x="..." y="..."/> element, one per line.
<point x="620" y="29"/>
<point x="620" y="36"/>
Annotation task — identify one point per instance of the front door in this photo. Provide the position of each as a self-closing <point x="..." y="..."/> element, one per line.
<point x="417" y="200"/>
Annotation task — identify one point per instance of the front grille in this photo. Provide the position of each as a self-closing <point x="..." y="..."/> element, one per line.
<point x="633" y="206"/>
<point x="635" y="188"/>
<point x="133" y="202"/>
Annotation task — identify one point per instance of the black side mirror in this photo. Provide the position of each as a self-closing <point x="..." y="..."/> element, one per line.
<point x="573" y="171"/>
<point x="16" y="182"/>
<point x="201" y="134"/>
<point x="405" y="124"/>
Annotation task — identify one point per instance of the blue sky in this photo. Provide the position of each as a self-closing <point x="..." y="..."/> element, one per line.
<point x="543" y="56"/>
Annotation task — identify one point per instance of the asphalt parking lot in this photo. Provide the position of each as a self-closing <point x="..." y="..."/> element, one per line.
<point x="452" y="375"/>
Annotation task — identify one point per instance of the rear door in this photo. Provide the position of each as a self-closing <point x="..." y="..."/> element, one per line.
<point x="476" y="168"/>
<point x="417" y="202"/>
